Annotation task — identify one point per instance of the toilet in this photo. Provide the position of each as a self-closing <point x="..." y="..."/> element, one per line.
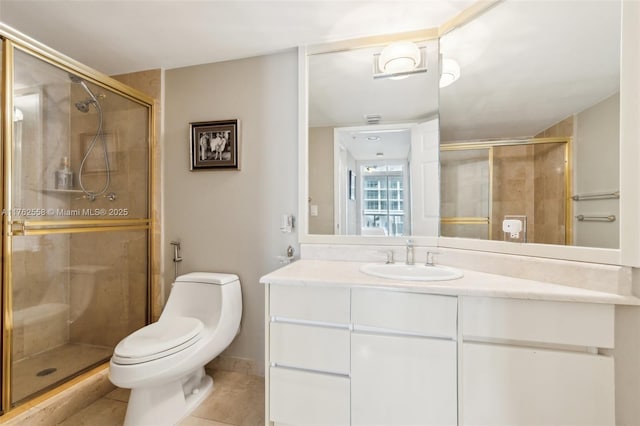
<point x="163" y="363"/>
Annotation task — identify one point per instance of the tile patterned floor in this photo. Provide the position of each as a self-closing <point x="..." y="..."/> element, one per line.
<point x="237" y="400"/>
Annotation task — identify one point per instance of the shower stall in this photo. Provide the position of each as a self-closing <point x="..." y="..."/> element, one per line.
<point x="486" y="182"/>
<point x="76" y="170"/>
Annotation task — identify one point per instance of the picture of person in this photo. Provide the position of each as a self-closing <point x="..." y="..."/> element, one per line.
<point x="204" y="143"/>
<point x="217" y="145"/>
<point x="214" y="145"/>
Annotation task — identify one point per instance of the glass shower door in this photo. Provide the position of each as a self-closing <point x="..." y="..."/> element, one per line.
<point x="76" y="255"/>
<point x="465" y="193"/>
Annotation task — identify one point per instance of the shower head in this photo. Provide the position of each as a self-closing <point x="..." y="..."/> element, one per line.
<point x="77" y="80"/>
<point x="83" y="106"/>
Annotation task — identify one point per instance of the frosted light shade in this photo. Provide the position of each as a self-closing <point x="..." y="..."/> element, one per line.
<point x="403" y="56"/>
<point x="450" y="72"/>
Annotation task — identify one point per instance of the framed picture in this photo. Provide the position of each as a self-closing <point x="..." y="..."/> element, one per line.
<point x="215" y="145"/>
<point x="95" y="160"/>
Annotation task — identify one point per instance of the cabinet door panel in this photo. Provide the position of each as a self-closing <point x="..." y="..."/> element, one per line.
<point x="301" y="398"/>
<point x="504" y="385"/>
<point x="399" y="380"/>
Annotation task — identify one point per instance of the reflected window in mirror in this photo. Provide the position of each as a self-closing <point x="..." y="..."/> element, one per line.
<point x="384" y="205"/>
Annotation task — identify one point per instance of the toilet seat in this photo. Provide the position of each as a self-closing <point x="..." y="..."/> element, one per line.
<point x="158" y="340"/>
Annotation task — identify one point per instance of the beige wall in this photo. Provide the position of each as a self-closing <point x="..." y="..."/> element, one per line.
<point x="321" y="179"/>
<point x="229" y="221"/>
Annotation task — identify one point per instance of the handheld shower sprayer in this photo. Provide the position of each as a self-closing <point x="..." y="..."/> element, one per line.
<point x="83" y="106"/>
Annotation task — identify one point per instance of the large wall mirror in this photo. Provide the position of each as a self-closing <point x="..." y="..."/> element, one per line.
<point x="529" y="137"/>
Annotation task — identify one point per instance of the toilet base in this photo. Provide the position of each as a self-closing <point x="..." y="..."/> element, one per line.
<point x="166" y="404"/>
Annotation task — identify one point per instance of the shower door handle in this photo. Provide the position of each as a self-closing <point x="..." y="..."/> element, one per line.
<point x="17" y="227"/>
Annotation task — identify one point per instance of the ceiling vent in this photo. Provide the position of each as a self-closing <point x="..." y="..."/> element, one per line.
<point x="372" y="118"/>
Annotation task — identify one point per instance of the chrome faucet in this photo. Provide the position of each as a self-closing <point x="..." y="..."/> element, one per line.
<point x="409" y="260"/>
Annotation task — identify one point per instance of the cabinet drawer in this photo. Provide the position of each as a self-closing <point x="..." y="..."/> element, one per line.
<point x="322" y="304"/>
<point x="310" y="347"/>
<point x="415" y="313"/>
<point x="570" y="323"/>
<point x="302" y="398"/>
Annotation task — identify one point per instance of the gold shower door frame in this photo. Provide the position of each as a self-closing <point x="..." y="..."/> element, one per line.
<point x="490" y="145"/>
<point x="11" y="41"/>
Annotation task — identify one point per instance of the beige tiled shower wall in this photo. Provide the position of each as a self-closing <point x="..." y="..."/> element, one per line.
<point x="550" y="184"/>
<point x="530" y="180"/>
<point x="150" y="83"/>
<point x="513" y="187"/>
<point x="116" y="275"/>
<point x="549" y="193"/>
<point x="562" y="128"/>
<point x="38" y="277"/>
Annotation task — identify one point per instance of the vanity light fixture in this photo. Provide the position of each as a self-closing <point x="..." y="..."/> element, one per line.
<point x="399" y="60"/>
<point x="450" y="72"/>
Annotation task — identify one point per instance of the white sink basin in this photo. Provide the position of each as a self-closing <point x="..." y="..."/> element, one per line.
<point x="418" y="272"/>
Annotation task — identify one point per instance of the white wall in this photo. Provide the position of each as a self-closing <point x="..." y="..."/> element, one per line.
<point x="229" y="221"/>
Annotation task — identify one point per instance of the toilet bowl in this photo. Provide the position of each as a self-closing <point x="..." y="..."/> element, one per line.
<point x="163" y="363"/>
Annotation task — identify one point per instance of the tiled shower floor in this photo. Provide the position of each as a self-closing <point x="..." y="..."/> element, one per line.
<point x="66" y="359"/>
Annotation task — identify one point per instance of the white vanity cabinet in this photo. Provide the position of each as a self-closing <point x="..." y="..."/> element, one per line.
<point x="536" y="363"/>
<point x="308" y="346"/>
<point x="365" y="356"/>
<point x="403" y="359"/>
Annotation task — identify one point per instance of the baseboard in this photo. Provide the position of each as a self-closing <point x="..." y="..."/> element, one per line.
<point x="238" y="365"/>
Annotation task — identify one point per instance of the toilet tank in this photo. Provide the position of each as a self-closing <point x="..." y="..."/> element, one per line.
<point x="201" y="295"/>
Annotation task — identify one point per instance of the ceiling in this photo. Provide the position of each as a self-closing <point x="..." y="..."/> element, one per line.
<point x="523" y="69"/>
<point x="525" y="65"/>
<point x="116" y="36"/>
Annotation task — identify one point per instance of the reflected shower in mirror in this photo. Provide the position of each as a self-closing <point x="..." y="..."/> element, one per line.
<point x="532" y="124"/>
<point x="370" y="138"/>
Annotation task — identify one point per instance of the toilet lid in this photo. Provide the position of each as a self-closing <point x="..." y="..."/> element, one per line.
<point x="156" y="339"/>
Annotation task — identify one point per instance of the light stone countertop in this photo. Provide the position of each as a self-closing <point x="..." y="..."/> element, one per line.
<point x="329" y="272"/>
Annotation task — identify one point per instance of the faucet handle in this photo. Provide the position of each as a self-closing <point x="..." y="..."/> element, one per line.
<point x="430" y="255"/>
<point x="390" y="257"/>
